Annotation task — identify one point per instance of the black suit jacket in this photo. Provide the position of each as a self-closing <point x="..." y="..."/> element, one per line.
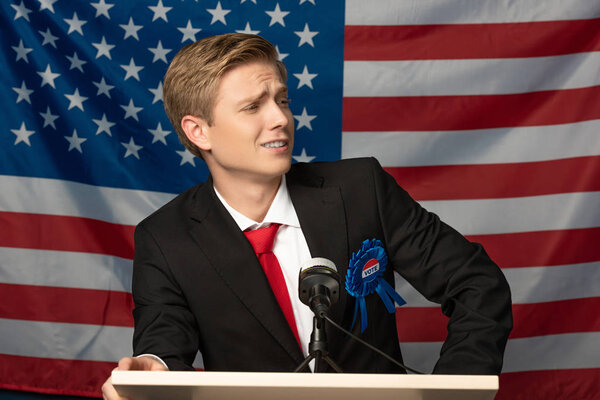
<point x="198" y="285"/>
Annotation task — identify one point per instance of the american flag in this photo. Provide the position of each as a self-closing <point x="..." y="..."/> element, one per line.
<point x="486" y="111"/>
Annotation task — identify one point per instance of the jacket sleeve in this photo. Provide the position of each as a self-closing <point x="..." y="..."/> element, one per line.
<point x="448" y="269"/>
<point x="164" y="324"/>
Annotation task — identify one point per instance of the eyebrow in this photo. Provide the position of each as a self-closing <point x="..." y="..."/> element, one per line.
<point x="282" y="90"/>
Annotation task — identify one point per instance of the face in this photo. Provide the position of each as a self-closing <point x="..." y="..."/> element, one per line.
<point x="252" y="133"/>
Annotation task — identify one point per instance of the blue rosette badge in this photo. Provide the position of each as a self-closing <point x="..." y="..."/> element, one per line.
<point x="365" y="276"/>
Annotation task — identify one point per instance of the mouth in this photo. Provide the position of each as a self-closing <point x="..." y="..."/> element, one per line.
<point x="277" y="144"/>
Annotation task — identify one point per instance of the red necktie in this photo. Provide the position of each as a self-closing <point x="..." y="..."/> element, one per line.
<point x="262" y="243"/>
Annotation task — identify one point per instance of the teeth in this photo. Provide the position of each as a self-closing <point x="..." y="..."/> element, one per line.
<point x="272" y="145"/>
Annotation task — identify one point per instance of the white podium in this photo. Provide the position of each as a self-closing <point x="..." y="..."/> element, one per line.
<point x="142" y="385"/>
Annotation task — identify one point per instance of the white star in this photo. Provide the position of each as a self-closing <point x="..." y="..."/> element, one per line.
<point x="305" y="78"/>
<point x="132" y="70"/>
<point x="75" y="141"/>
<point x="75" y="100"/>
<point x="303" y="157"/>
<point x="132" y="149"/>
<point x="48" y="77"/>
<point x="218" y="14"/>
<point x="102" y="8"/>
<point x="304" y="1"/>
<point x="21" y="51"/>
<point x="104" y="125"/>
<point x="248" y="30"/>
<point x="75" y="24"/>
<point x="131" y="29"/>
<point x="159" y="134"/>
<point x="131" y="110"/>
<point x="160" y="11"/>
<point x="280" y="55"/>
<point x="103" y="88"/>
<point x="76" y="62"/>
<point x="103" y="48"/>
<point x="186" y="157"/>
<point x="22" y="134"/>
<point x="243" y="1"/>
<point x="159" y="52"/>
<point x="304" y="119"/>
<point x="47" y="5"/>
<point x="21" y="11"/>
<point x="23" y="93"/>
<point x="48" y="38"/>
<point x="49" y="118"/>
<point x="189" y="32"/>
<point x="158" y="93"/>
<point x="277" y="15"/>
<point x="306" y="36"/>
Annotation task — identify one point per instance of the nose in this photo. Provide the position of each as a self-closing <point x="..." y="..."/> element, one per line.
<point x="278" y="115"/>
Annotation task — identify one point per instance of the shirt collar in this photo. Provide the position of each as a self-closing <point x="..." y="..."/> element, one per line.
<point x="281" y="211"/>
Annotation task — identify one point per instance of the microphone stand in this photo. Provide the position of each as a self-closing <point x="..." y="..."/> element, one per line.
<point x="317" y="348"/>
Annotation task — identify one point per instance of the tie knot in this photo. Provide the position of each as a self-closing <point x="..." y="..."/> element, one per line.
<point x="262" y="239"/>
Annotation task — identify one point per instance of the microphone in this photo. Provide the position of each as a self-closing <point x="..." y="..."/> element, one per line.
<point x="319" y="285"/>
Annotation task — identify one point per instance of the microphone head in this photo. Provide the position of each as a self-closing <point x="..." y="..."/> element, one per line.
<point x="317" y="272"/>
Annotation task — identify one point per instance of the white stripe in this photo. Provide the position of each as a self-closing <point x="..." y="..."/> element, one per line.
<point x="565" y="351"/>
<point x="530" y="285"/>
<point x="65" y="269"/>
<point x="484" y="146"/>
<point x="58" y="197"/>
<point x="470" y="77"/>
<point x="64" y="341"/>
<point x="520" y="214"/>
<point x="422" y="12"/>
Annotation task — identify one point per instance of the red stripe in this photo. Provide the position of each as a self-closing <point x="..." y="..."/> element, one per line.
<point x="470" y="41"/>
<point x="428" y="324"/>
<point x="57" y="304"/>
<point x="46" y="375"/>
<point x="431" y="113"/>
<point x="542" y="248"/>
<point x="57" y="232"/>
<point x="488" y="181"/>
<point x="562" y="384"/>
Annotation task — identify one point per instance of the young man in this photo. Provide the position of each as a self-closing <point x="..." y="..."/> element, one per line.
<point x="198" y="284"/>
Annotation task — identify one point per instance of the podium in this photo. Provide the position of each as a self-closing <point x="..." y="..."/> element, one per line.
<point x="145" y="385"/>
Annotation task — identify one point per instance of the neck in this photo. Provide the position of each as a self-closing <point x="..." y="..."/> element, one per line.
<point x="251" y="199"/>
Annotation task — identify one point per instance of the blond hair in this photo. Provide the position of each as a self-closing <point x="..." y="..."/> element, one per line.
<point x="191" y="82"/>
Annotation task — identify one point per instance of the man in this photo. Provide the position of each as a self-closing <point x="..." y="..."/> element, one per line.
<point x="198" y="284"/>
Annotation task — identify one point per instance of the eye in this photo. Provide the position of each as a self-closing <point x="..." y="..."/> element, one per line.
<point x="251" y="107"/>
<point x="284" y="102"/>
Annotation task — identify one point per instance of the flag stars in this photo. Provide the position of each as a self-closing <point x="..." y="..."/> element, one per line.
<point x="49" y="38"/>
<point x="280" y="55"/>
<point x="48" y="77"/>
<point x="21" y="11"/>
<point x="159" y="134"/>
<point x="49" y="118"/>
<point x="303" y="157"/>
<point x="131" y="30"/>
<point x="75" y="24"/>
<point x="102" y="8"/>
<point x="218" y="14"/>
<point x="104" y="125"/>
<point x="305" y="1"/>
<point x="277" y="16"/>
<point x="160" y="53"/>
<point x="132" y="149"/>
<point x="132" y="70"/>
<point x="189" y="32"/>
<point x="22" y="135"/>
<point x="76" y="63"/>
<point x="23" y="93"/>
<point x="160" y="11"/>
<point x="305" y="78"/>
<point x="103" y="48"/>
<point x="103" y="88"/>
<point x="248" y="30"/>
<point x="76" y="100"/>
<point x="47" y="5"/>
<point x="304" y="120"/>
<point x="22" y="51"/>
<point x="186" y="157"/>
<point x="131" y="110"/>
<point x="158" y="93"/>
<point x="75" y="141"/>
<point x="306" y="36"/>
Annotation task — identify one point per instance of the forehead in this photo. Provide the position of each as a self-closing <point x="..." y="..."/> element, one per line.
<point x="242" y="80"/>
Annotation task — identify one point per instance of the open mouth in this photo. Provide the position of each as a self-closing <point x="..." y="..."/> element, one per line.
<point x="275" y="145"/>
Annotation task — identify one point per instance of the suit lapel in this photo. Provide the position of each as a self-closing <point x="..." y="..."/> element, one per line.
<point x="217" y="234"/>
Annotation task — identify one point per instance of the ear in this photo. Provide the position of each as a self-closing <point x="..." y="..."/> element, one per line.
<point x="196" y="130"/>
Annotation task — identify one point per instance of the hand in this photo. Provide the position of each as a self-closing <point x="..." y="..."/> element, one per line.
<point x="143" y="363"/>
